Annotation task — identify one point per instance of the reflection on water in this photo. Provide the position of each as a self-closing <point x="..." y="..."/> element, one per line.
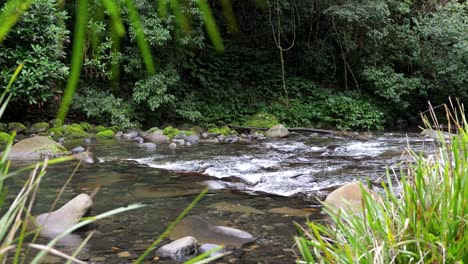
<point x="273" y="176"/>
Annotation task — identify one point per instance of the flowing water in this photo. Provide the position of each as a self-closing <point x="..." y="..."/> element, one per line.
<point x="264" y="175"/>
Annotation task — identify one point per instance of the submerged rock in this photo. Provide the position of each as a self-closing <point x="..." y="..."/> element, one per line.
<point x="56" y="222"/>
<point x="348" y="198"/>
<point x="206" y="232"/>
<point x="157" y="137"/>
<point x="148" y="145"/>
<point x="238" y="208"/>
<point x="208" y="247"/>
<point x="36" y="148"/>
<point x="288" y="211"/>
<point x="180" y="249"/>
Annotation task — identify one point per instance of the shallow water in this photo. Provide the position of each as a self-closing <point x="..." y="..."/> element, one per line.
<point x="265" y="175"/>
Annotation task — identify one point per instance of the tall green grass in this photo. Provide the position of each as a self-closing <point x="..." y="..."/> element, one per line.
<point x="424" y="221"/>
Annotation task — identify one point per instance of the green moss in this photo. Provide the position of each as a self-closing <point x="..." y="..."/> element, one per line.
<point x="98" y="129"/>
<point x="225" y="130"/>
<point x="55" y="150"/>
<point x="75" y="131"/>
<point x="85" y="126"/>
<point x="55" y="132"/>
<point x="106" y="134"/>
<point x="262" y="120"/>
<point x="18" y="127"/>
<point x="171" y="132"/>
<point x="39" y="127"/>
<point x="56" y="123"/>
<point x="3" y="127"/>
<point x="4" y="137"/>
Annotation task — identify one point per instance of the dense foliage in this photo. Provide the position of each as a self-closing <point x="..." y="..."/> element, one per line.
<point x="345" y="64"/>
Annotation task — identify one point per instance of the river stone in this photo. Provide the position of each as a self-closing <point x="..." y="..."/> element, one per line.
<point x="180" y="249"/>
<point x="138" y="139"/>
<point x="157" y="138"/>
<point x="180" y="142"/>
<point x="209" y="141"/>
<point x="181" y="135"/>
<point x="86" y="157"/>
<point x="78" y="150"/>
<point x="193" y="139"/>
<point x="231" y="139"/>
<point x="237" y="208"/>
<point x="127" y="136"/>
<point x="206" y="232"/>
<point x="133" y="133"/>
<point x="148" y="145"/>
<point x="56" y="222"/>
<point x="20" y="128"/>
<point x="288" y="211"/>
<point x="39" y="127"/>
<point x="172" y="145"/>
<point x="208" y="247"/>
<point x="348" y="198"/>
<point x="277" y="131"/>
<point x="36" y="148"/>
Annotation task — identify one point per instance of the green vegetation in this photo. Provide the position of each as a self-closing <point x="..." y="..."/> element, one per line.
<point x="424" y="220"/>
<point x="74" y="131"/>
<point x="4" y="137"/>
<point x="106" y="134"/>
<point x="261" y="120"/>
<point x="348" y="64"/>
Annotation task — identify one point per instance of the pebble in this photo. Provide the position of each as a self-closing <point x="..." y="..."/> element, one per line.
<point x="138" y="139"/>
<point x="78" y="149"/>
<point x="172" y="145"/>
<point x="98" y="259"/>
<point x="124" y="254"/>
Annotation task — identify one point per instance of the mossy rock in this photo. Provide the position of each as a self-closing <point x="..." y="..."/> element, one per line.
<point x="151" y="130"/>
<point x="262" y="120"/>
<point x="56" y="123"/>
<point x="106" y="134"/>
<point x="171" y="132"/>
<point x="98" y="129"/>
<point x="55" y="132"/>
<point x="115" y="128"/>
<point x="35" y="148"/>
<point x="225" y="130"/>
<point x="197" y="130"/>
<point x="75" y="131"/>
<point x="85" y="126"/>
<point x="4" y="137"/>
<point x="20" y="128"/>
<point x="3" y="127"/>
<point x="39" y="127"/>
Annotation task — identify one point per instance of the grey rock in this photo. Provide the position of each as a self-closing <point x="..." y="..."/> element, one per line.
<point x="277" y="131"/>
<point x="172" y="145"/>
<point x="204" y="135"/>
<point x="86" y="141"/>
<point x="36" y="148"/>
<point x="209" y="141"/>
<point x="78" y="150"/>
<point x="157" y="138"/>
<point x="133" y="133"/>
<point x="208" y="247"/>
<point x="180" y="249"/>
<point x="148" y="145"/>
<point x="86" y="157"/>
<point x="138" y="139"/>
<point x="59" y="140"/>
<point x="180" y="142"/>
<point x="193" y="139"/>
<point x="188" y="144"/>
<point x="220" y="137"/>
<point x="181" y="135"/>
<point x="56" y="222"/>
<point x="119" y="134"/>
<point x="127" y="136"/>
<point x="39" y="127"/>
<point x="231" y="139"/>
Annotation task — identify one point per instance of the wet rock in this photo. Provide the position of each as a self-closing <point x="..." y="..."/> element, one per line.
<point x="238" y="208"/>
<point x="206" y="232"/>
<point x="435" y="134"/>
<point x="78" y="150"/>
<point x="209" y="141"/>
<point x="348" y="198"/>
<point x="138" y="139"/>
<point x="86" y="141"/>
<point x="157" y="138"/>
<point x="39" y="127"/>
<point x="148" y="145"/>
<point x="179" y="142"/>
<point x="290" y="211"/>
<point x="220" y="138"/>
<point x="18" y="127"/>
<point x="193" y="139"/>
<point x="277" y="131"/>
<point x="181" y="135"/>
<point x="133" y="133"/>
<point x="36" y="148"/>
<point x="208" y="247"/>
<point x="119" y="134"/>
<point x="231" y="139"/>
<point x="56" y="222"/>
<point x="188" y="144"/>
<point x="127" y="136"/>
<point x="98" y="259"/>
<point x="124" y="254"/>
<point x="180" y="249"/>
<point x="172" y="145"/>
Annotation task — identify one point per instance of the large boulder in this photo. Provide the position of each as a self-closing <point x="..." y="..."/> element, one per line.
<point x="36" y="148"/>
<point x="157" y="137"/>
<point x="277" y="131"/>
<point x="206" y="232"/>
<point x="39" y="127"/>
<point x="349" y="198"/>
<point x="180" y="249"/>
<point x="56" y="222"/>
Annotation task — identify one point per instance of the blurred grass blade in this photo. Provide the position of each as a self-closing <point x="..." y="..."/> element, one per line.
<point x="10" y="14"/>
<point x="114" y="12"/>
<point x="140" y="37"/>
<point x="77" y="58"/>
<point x="180" y="17"/>
<point x="210" y="25"/>
<point x="162" y="8"/>
<point x="171" y="226"/>
<point x="3" y="101"/>
<point x="228" y="13"/>
<point x="205" y="257"/>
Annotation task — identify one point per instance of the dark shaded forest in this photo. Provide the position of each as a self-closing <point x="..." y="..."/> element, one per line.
<point x="349" y="64"/>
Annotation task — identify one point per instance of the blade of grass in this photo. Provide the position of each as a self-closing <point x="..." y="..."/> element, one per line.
<point x="201" y="258"/>
<point x="11" y="13"/>
<point x="211" y="26"/>
<point x="171" y="226"/>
